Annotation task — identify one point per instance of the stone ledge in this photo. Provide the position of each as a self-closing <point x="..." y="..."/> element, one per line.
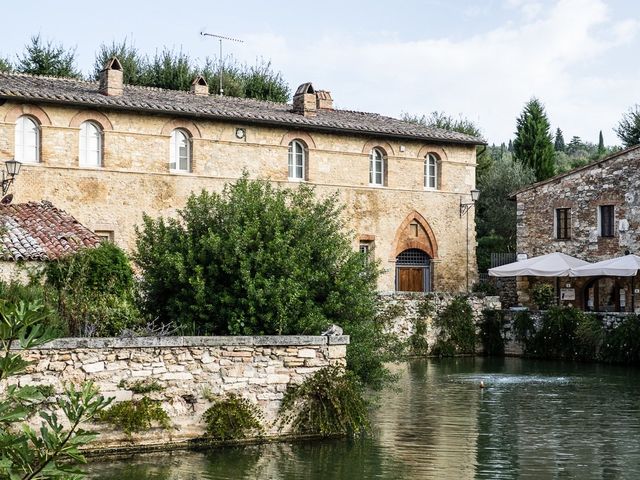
<point x="230" y="341"/>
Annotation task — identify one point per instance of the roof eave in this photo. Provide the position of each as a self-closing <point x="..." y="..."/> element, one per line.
<point x="258" y="121"/>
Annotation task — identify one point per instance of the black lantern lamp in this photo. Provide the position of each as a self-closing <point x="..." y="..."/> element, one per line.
<point x="12" y="169"/>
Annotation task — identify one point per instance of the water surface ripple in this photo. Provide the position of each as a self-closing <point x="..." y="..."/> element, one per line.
<point x="533" y="420"/>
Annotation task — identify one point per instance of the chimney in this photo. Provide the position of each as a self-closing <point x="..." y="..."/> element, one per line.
<point x="304" y="100"/>
<point x="199" y="86"/>
<point x="111" y="78"/>
<point x="324" y="100"/>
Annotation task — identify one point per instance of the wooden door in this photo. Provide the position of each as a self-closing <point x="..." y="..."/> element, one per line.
<point x="410" y="279"/>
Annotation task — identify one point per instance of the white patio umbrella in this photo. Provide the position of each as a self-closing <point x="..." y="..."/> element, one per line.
<point x="551" y="265"/>
<point x="626" y="266"/>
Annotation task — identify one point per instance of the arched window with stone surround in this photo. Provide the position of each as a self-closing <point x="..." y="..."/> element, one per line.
<point x="180" y="158"/>
<point x="431" y="172"/>
<point x="297" y="160"/>
<point x="90" y="145"/>
<point x="27" y="140"/>
<point x="377" y="167"/>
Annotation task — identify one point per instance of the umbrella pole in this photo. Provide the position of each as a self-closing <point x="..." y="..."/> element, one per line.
<point x="633" y="294"/>
<point x="557" y="290"/>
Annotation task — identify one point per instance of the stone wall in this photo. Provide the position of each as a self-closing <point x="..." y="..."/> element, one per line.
<point x="188" y="369"/>
<point x="135" y="178"/>
<point x="400" y="312"/>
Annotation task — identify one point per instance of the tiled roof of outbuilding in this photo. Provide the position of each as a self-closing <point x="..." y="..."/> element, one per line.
<point x="22" y="87"/>
<point x="39" y="231"/>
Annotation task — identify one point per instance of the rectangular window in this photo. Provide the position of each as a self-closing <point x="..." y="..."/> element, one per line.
<point x="105" y="235"/>
<point x="606" y="220"/>
<point x="563" y="223"/>
<point x="366" y="248"/>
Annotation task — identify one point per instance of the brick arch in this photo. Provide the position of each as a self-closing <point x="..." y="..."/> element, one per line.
<point x="384" y="146"/>
<point x="403" y="242"/>
<point x="31" y="110"/>
<point x="91" y="116"/>
<point x="297" y="135"/>
<point x="190" y="127"/>
<point x="440" y="152"/>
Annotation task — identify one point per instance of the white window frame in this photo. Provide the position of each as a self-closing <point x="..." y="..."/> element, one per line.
<point x="297" y="158"/>
<point x="376" y="167"/>
<point x="24" y="145"/>
<point x="430" y="180"/>
<point x="175" y="157"/>
<point x="90" y="158"/>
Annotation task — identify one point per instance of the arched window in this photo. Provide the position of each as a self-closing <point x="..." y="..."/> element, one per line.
<point x="27" y="140"/>
<point x="297" y="160"/>
<point x="90" y="145"/>
<point x="431" y="171"/>
<point x="376" y="167"/>
<point x="180" y="151"/>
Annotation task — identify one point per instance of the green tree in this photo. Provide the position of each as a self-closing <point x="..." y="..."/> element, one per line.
<point x="5" y="65"/>
<point x="52" y="450"/>
<point x="169" y="69"/>
<point x="133" y="64"/>
<point x="601" y="147"/>
<point x="42" y="58"/>
<point x="257" y="259"/>
<point x="559" y="141"/>
<point x="533" y="146"/>
<point x="628" y="129"/>
<point x="495" y="214"/>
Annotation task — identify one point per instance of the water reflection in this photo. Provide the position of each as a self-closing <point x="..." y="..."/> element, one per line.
<point x="533" y="420"/>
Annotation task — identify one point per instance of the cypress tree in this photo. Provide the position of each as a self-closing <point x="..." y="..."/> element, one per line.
<point x="533" y="145"/>
<point x="559" y="143"/>
<point x="600" y="143"/>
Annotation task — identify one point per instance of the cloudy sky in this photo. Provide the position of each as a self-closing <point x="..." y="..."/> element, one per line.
<point x="481" y="59"/>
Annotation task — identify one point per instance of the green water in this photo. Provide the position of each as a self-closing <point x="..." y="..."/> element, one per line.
<point x="533" y="420"/>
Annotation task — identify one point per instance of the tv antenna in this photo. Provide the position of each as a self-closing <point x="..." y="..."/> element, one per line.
<point x="220" y="39"/>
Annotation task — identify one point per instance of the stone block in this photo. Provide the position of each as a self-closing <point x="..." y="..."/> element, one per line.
<point x="93" y="367"/>
<point x="307" y="353"/>
<point x="278" y="378"/>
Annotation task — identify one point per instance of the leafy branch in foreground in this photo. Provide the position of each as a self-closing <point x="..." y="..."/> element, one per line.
<point x="52" y="450"/>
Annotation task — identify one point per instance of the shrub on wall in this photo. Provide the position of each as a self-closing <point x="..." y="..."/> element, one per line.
<point x="331" y="402"/>
<point x="457" y="333"/>
<point x="231" y="418"/>
<point x="133" y="416"/>
<point x="491" y="332"/>
<point x="621" y="344"/>
<point x="543" y="295"/>
<point x="257" y="259"/>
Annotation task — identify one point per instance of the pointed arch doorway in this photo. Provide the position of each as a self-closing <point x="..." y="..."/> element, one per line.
<point x="413" y="271"/>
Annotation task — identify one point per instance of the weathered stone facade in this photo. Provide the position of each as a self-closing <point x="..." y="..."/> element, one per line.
<point x="135" y="177"/>
<point x="188" y="369"/>
<point x="613" y="181"/>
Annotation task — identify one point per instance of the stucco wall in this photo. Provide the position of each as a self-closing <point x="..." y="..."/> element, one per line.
<point x="135" y="178"/>
<point x="188" y="369"/>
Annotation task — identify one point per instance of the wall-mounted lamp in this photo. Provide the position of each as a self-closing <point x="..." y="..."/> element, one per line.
<point x="13" y="169"/>
<point x="464" y="207"/>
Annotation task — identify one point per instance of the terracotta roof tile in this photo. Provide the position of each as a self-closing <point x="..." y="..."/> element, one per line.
<point x="22" y="87"/>
<point x="39" y="231"/>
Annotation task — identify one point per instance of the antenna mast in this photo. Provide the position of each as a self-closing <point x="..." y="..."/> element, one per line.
<point x="220" y="38"/>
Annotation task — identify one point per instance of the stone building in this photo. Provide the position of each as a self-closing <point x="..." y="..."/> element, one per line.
<point x="108" y="152"/>
<point x="593" y="213"/>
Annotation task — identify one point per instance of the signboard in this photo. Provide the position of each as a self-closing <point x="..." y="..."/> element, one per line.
<point x="567" y="294"/>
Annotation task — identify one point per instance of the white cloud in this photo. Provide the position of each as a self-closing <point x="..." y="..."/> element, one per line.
<point x="487" y="77"/>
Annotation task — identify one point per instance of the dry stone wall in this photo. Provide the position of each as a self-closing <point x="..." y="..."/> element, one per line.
<point x="400" y="311"/>
<point x="189" y="370"/>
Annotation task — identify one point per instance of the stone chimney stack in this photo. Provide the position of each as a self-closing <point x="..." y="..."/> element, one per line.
<point x="304" y="100"/>
<point x="324" y="100"/>
<point x="111" y="78"/>
<point x="199" y="86"/>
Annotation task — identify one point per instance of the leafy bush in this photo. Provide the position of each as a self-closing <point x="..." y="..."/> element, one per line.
<point x="232" y="417"/>
<point x="491" y="332"/>
<point x="589" y="337"/>
<point x="418" y="343"/>
<point x="543" y="295"/>
<point x="523" y="326"/>
<point x="457" y="331"/>
<point x="331" y="402"/>
<point x="141" y="386"/>
<point x="53" y="449"/>
<point x="485" y="287"/>
<point x="133" y="416"/>
<point x="95" y="291"/>
<point x="258" y="259"/>
<point x="556" y="337"/>
<point x="621" y="344"/>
